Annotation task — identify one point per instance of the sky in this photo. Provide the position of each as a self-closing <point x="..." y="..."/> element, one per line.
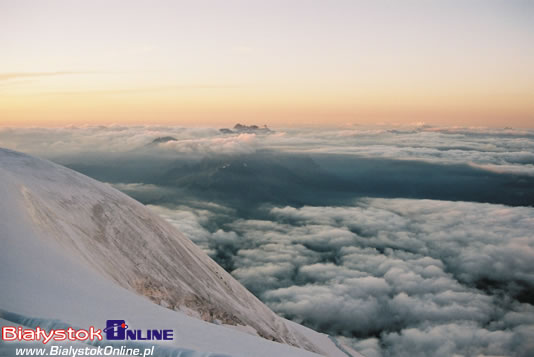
<point x="290" y="63"/>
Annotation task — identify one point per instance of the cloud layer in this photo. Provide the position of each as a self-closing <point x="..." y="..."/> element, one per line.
<point x="295" y="166"/>
<point x="505" y="150"/>
<point x="401" y="277"/>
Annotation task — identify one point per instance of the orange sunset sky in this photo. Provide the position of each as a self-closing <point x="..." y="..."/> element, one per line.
<point x="290" y="63"/>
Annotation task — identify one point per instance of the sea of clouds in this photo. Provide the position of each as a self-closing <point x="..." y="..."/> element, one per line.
<point x="502" y="150"/>
<point x="405" y="241"/>
<point x="402" y="277"/>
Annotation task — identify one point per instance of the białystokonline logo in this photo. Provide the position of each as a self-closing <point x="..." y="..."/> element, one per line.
<point x="115" y="330"/>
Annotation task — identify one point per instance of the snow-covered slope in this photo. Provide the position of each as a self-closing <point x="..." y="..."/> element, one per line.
<point x="78" y="251"/>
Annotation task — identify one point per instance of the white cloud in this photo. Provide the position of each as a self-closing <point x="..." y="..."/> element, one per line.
<point x="407" y="277"/>
<point x="490" y="149"/>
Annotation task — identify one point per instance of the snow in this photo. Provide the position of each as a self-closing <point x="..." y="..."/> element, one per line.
<point x="78" y="252"/>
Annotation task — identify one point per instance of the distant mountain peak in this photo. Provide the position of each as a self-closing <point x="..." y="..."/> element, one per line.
<point x="253" y="129"/>
<point x="163" y="139"/>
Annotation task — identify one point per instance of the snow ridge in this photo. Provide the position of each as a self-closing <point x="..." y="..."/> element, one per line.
<point x="97" y="239"/>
